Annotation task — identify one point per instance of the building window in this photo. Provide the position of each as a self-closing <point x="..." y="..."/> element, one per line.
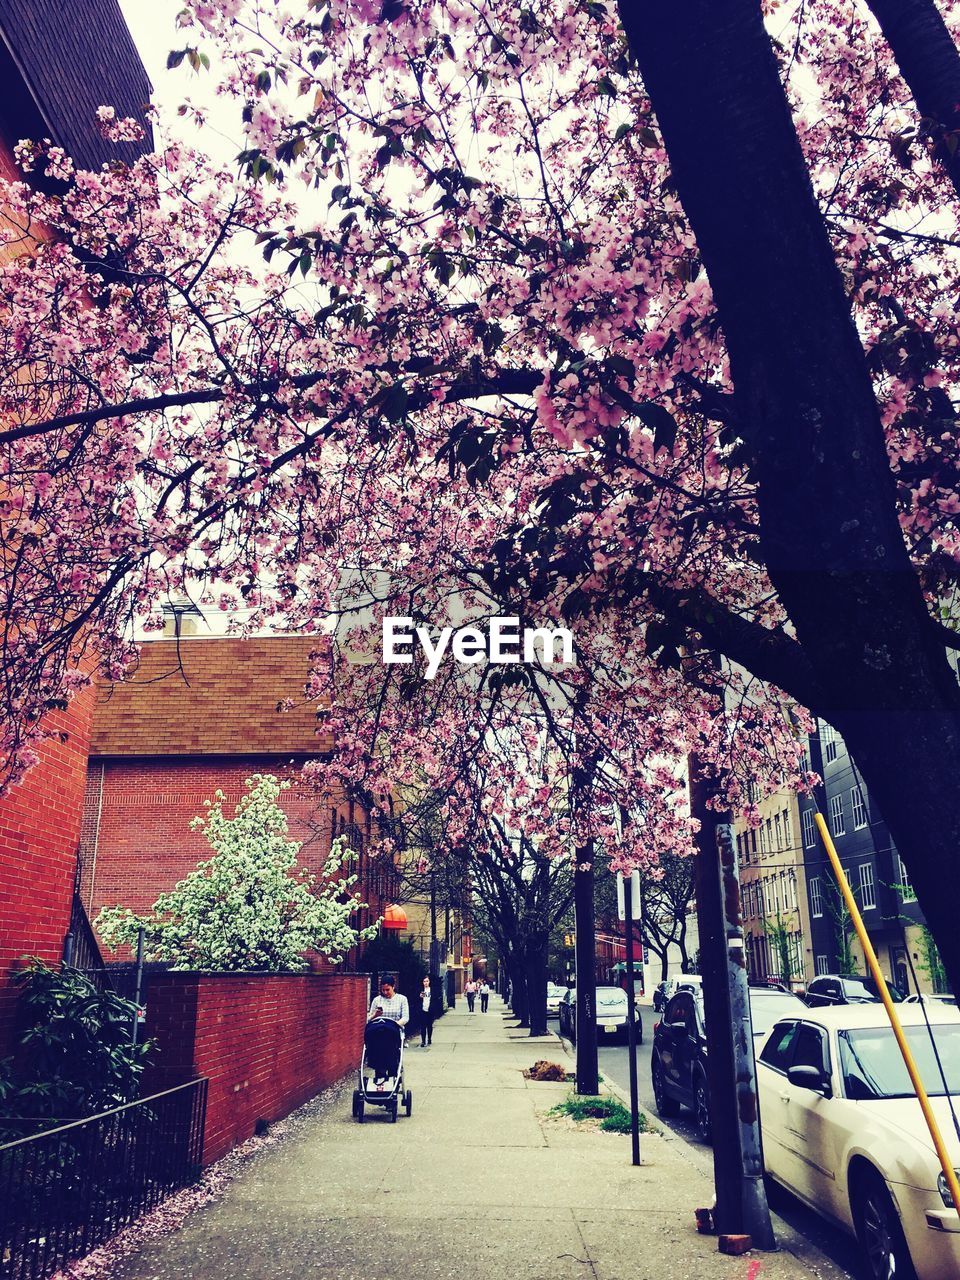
<point x="793" y="890"/>
<point x="763" y="837"/>
<point x="778" y="826"/>
<point x="821" y="966"/>
<point x="787" y="829"/>
<point x="836" y="815"/>
<point x="809" y="830"/>
<point x="868" y="893"/>
<point x="858" y="807"/>
<point x="829" y="739"/>
<point x="768" y="827"/>
<point x="753" y="842"/>
<point x="816" y="898"/>
<point x="906" y="888"/>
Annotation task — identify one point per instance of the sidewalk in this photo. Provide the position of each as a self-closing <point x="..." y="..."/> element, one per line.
<point x="478" y="1184"/>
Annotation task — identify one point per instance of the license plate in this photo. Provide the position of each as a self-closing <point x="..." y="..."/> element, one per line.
<point x="610" y="1029"/>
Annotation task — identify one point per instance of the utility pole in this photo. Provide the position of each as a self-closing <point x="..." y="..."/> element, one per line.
<point x="628" y="883"/>
<point x="585" y="924"/>
<point x="741" y="1207"/>
<point x="585" y="951"/>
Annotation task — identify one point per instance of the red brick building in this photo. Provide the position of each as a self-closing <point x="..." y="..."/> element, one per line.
<point x="58" y="63"/>
<point x="198" y="715"/>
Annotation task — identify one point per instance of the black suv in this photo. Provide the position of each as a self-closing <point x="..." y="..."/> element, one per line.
<point x="846" y="988"/>
<point x="678" y="1067"/>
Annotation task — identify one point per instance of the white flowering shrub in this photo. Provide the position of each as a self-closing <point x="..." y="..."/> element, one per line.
<point x="250" y="906"/>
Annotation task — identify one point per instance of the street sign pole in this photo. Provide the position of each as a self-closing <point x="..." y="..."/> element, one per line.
<point x="628" y="887"/>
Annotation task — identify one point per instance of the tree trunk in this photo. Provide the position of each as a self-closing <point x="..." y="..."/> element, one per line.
<point x="536" y="974"/>
<point x="682" y="946"/>
<point x="829" y="532"/>
<point x="518" y="983"/>
<point x="930" y="64"/>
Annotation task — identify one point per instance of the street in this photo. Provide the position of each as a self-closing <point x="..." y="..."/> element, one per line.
<point x="614" y="1065"/>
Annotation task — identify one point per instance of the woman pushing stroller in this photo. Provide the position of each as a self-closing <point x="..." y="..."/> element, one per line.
<point x="383" y="1054"/>
<point x="389" y="1003"/>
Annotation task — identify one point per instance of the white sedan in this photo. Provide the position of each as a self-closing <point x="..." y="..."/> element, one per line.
<point x="555" y="994"/>
<point x="843" y="1130"/>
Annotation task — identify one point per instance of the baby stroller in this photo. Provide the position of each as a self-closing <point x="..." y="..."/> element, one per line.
<point x="380" y="1082"/>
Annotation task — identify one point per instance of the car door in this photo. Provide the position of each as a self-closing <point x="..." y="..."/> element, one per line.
<point x="775" y="1057"/>
<point x="811" y="1142"/>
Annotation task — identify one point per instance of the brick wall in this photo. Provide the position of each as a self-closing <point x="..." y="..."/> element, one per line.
<point x="39" y="833"/>
<point x="137" y="842"/>
<point x="266" y="1042"/>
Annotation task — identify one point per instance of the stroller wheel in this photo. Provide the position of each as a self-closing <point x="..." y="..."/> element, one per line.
<point x="357" y="1102"/>
<point x="393" y="1112"/>
<point x="358" y="1110"/>
<point x="408" y="1101"/>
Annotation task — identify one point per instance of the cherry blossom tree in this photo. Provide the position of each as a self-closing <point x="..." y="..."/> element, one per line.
<point x="648" y="326"/>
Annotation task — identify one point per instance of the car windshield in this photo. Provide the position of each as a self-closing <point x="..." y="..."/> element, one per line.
<point x="866" y="989"/>
<point x="770" y="1008"/>
<point x="873" y="1067"/>
<point x="554" y="990"/>
<point x="611" y="995"/>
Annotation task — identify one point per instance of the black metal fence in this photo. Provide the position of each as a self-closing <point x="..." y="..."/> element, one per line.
<point x="66" y="1190"/>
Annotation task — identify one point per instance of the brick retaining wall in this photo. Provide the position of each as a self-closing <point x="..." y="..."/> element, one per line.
<point x="266" y="1042"/>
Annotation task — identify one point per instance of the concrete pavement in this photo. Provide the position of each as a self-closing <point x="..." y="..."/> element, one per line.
<point x="479" y="1184"/>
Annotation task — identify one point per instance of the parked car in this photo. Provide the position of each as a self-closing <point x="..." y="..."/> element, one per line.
<point x="670" y="986"/>
<point x="678" y="1069"/>
<point x="567" y="1011"/>
<point x="846" y="988"/>
<point x="611" y="1015"/>
<point x="555" y="994"/>
<point x="936" y="999"/>
<point x="843" y="1130"/>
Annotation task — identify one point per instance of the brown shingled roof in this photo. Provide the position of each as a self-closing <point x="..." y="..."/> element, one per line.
<point x="223" y="702"/>
<point x="72" y="58"/>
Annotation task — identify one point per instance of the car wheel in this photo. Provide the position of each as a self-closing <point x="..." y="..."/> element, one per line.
<point x="666" y="1106"/>
<point x="885" y="1252"/>
<point x="701" y="1108"/>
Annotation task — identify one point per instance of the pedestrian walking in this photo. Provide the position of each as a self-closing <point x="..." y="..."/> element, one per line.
<point x="427" y="1013"/>
<point x="484" y="995"/>
<point x="470" y="991"/>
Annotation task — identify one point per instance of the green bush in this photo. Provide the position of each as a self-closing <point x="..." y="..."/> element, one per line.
<point x="612" y="1114"/>
<point x="73" y="1054"/>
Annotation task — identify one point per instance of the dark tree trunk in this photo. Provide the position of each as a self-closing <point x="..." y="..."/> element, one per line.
<point x="518" y="983"/>
<point x="930" y="63"/>
<point x="828" y="525"/>
<point x="536" y="974"/>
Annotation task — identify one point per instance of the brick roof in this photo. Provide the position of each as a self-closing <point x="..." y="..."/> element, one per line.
<point x="223" y="702"/>
<point x="72" y="58"/>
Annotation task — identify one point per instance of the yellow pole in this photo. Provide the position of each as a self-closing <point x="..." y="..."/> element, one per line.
<point x="871" y="957"/>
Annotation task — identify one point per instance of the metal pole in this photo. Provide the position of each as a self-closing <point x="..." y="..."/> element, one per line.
<point x="756" y="1213"/>
<point x="138" y="989"/>
<point x="741" y="1206"/>
<point x="631" y="1023"/>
